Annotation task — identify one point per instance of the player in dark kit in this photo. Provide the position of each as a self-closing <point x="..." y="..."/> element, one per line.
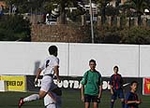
<point x="131" y="99"/>
<point x="116" y="84"/>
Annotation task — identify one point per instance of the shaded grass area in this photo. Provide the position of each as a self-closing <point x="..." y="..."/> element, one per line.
<point x="70" y="99"/>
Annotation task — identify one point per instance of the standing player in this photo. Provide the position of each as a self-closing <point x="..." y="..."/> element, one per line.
<point x="116" y="84"/>
<point x="131" y="99"/>
<point x="50" y="68"/>
<point x="91" y="89"/>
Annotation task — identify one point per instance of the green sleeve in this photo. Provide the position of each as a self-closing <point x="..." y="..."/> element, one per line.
<point x="84" y="79"/>
<point x="100" y="80"/>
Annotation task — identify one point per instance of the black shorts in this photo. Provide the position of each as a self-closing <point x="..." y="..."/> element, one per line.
<point x="91" y="98"/>
<point x="117" y="93"/>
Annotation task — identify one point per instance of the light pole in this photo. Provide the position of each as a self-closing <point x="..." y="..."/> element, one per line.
<point x="91" y="19"/>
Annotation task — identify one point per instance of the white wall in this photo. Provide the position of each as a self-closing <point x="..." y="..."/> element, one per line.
<point x="107" y="56"/>
<point x="23" y="58"/>
<point x="145" y="61"/>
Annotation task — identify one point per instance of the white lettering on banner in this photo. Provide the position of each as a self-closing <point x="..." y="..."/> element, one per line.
<point x="73" y="84"/>
<point x="65" y="84"/>
<point x="38" y="84"/>
<point x="106" y="85"/>
<point x="76" y="84"/>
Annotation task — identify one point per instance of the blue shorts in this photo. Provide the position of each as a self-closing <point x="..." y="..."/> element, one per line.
<point x="117" y="93"/>
<point x="91" y="98"/>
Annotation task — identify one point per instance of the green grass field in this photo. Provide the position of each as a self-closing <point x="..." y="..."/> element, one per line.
<point x="70" y="99"/>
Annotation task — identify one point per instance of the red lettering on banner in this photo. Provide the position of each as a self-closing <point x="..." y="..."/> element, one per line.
<point x="146" y="85"/>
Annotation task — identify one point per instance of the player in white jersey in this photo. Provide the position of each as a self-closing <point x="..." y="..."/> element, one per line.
<point x="53" y="98"/>
<point x="50" y="68"/>
<point x="49" y="102"/>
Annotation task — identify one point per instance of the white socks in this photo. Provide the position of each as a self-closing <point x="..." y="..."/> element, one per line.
<point x="32" y="97"/>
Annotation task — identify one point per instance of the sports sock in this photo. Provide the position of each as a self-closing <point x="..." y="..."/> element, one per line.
<point x="123" y="104"/>
<point x="32" y="97"/>
<point x="111" y="104"/>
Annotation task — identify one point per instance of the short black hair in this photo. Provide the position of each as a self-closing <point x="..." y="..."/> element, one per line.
<point x="116" y="67"/>
<point x="133" y="82"/>
<point x="92" y="60"/>
<point x="52" y="49"/>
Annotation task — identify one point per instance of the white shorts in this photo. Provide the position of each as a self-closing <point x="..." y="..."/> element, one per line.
<point x="50" y="103"/>
<point x="51" y="106"/>
<point x="46" y="83"/>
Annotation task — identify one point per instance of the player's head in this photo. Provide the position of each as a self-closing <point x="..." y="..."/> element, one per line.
<point x="92" y="64"/>
<point x="133" y="86"/>
<point x="53" y="50"/>
<point x="116" y="69"/>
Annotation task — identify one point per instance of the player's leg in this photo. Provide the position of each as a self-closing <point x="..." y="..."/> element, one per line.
<point x="28" y="99"/>
<point x="122" y="102"/>
<point x="121" y="96"/>
<point x="112" y="103"/>
<point x="87" y="100"/>
<point x="95" y="105"/>
<point x="87" y="105"/>
<point x="53" y="97"/>
<point x="52" y="105"/>
<point x="113" y="98"/>
<point x="49" y="102"/>
<point x="95" y="101"/>
<point x="32" y="97"/>
<point x="45" y="86"/>
<point x="58" y="102"/>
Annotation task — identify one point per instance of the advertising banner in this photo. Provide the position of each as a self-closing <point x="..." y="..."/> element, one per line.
<point x="73" y="83"/>
<point x="146" y="86"/>
<point x="15" y="83"/>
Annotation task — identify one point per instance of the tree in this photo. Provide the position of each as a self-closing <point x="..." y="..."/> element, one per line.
<point x="61" y="4"/>
<point x="17" y="3"/>
<point x="43" y="6"/>
<point x="138" y="6"/>
<point x="14" y="28"/>
<point x="117" y="35"/>
<point x="135" y="35"/>
<point x="102" y="5"/>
